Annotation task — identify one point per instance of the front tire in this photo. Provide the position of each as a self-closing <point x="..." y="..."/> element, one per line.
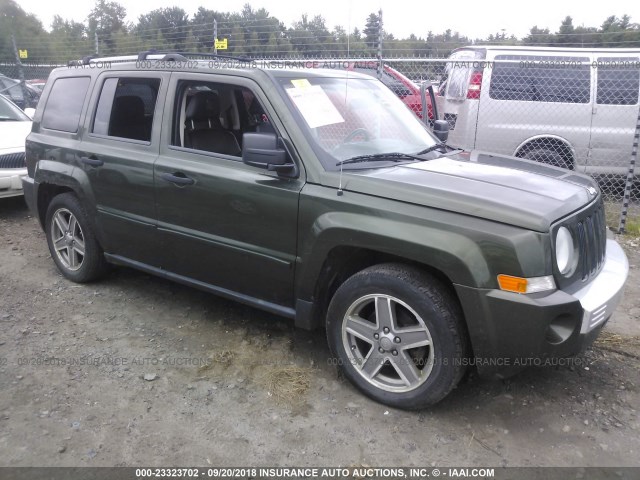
<point x="72" y="240"/>
<point x="398" y="335"/>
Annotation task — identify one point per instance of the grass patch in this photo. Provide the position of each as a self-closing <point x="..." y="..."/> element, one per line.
<point x="288" y="384"/>
<point x="612" y="212"/>
<point x="613" y="340"/>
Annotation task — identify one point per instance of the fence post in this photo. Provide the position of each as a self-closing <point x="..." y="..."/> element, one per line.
<point x="630" y="174"/>
<point x="23" y="86"/>
<point x="215" y="36"/>
<point x="380" y="31"/>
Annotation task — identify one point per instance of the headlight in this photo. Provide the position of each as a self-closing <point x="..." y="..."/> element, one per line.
<point x="565" y="252"/>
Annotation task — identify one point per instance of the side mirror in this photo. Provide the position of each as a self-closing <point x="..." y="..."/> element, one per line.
<point x="261" y="150"/>
<point x="30" y="112"/>
<point x="441" y="130"/>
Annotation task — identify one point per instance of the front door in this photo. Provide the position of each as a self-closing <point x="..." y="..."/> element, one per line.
<point x="224" y="223"/>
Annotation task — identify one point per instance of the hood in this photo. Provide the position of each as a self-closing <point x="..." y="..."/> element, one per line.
<point x="503" y="189"/>
<point x="13" y="135"/>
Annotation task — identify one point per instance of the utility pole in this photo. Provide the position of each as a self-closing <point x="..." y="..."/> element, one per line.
<point x="97" y="44"/>
<point x="215" y="35"/>
<point x="380" y="43"/>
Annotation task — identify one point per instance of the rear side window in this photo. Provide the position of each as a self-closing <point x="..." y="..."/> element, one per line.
<point x="541" y="79"/>
<point x="63" y="108"/>
<point x="126" y="108"/>
<point x="618" y="81"/>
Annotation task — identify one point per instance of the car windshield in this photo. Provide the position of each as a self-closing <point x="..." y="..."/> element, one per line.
<point x="345" y="118"/>
<point x="10" y="113"/>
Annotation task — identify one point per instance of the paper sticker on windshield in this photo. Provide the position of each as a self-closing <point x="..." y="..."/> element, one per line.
<point x="315" y="106"/>
<point x="301" y="83"/>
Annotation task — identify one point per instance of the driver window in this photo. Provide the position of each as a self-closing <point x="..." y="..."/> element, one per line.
<point x="212" y="117"/>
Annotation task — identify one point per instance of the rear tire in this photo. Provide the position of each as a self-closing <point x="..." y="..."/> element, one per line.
<point x="397" y="334"/>
<point x="72" y="241"/>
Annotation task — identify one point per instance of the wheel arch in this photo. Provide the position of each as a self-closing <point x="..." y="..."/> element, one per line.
<point x="54" y="178"/>
<point x="564" y="146"/>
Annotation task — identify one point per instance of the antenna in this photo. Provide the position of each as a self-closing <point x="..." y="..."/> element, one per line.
<point x="346" y="85"/>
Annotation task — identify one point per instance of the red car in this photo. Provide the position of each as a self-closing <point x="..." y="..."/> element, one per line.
<point x="404" y="88"/>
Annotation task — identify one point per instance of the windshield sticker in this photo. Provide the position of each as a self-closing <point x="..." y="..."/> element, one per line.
<point x="301" y="83"/>
<point x="315" y="106"/>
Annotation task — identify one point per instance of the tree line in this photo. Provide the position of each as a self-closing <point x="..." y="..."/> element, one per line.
<point x="256" y="33"/>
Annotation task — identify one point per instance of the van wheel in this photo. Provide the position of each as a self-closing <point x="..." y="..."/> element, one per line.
<point x="550" y="157"/>
<point x="398" y="335"/>
<point x="72" y="241"/>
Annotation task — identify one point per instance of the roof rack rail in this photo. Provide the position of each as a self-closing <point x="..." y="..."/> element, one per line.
<point x="157" y="55"/>
<point x="215" y="55"/>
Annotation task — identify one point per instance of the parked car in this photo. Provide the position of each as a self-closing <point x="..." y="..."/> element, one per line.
<point x="11" y="88"/>
<point x="37" y="83"/>
<point x="316" y="195"/>
<point x="15" y="125"/>
<point x="570" y="107"/>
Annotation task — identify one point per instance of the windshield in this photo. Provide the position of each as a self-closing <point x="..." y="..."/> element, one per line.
<point x="346" y="118"/>
<point x="10" y="113"/>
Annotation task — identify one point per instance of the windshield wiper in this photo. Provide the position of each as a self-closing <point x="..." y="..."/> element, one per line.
<point x="376" y="157"/>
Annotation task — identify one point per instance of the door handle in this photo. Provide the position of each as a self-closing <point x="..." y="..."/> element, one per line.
<point x="91" y="161"/>
<point x="177" y="178"/>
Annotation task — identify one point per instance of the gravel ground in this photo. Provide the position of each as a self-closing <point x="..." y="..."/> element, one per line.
<point x="136" y="370"/>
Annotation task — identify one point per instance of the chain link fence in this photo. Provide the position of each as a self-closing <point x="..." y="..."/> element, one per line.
<point x="578" y="112"/>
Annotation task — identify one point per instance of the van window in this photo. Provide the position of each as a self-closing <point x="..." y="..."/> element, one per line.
<point x="64" y="105"/>
<point x="541" y="79"/>
<point x="126" y="107"/>
<point x="618" y="81"/>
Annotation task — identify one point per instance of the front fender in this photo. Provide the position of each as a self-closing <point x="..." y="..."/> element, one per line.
<point x="468" y="250"/>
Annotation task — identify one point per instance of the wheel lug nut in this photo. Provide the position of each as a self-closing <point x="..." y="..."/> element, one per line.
<point x="381" y="350"/>
<point x="395" y="352"/>
<point x="376" y="336"/>
<point x="353" y="347"/>
<point x="386" y="330"/>
<point x="397" y="340"/>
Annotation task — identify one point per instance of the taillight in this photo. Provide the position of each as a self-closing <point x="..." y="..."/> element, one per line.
<point x="474" y="86"/>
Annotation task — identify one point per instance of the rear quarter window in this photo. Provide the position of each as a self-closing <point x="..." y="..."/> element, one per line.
<point x="618" y="81"/>
<point x="64" y="105"/>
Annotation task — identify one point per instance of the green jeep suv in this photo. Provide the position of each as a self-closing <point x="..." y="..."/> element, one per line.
<point x="317" y="195"/>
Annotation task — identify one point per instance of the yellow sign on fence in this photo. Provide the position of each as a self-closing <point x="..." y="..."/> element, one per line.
<point x="221" y="44"/>
<point x="23" y="53"/>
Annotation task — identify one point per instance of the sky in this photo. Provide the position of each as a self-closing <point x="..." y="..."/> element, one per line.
<point x="401" y="18"/>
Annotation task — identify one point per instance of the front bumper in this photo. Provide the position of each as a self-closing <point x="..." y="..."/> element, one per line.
<point x="11" y="181"/>
<point x="510" y="331"/>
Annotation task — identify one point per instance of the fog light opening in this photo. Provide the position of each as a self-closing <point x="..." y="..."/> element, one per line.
<point x="561" y="329"/>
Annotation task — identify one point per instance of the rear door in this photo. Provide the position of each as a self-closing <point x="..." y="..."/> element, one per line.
<point x="222" y="222"/>
<point x="117" y="154"/>
<point x="457" y="103"/>
<point x="614" y="113"/>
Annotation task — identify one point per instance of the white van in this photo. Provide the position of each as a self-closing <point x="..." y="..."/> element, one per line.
<point x="571" y="107"/>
